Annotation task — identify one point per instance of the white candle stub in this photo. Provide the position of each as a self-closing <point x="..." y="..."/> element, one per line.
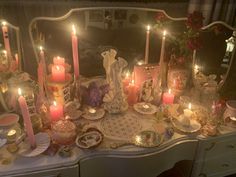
<point x="233" y="118"/>
<point x="92" y="110"/>
<point x="11" y="133"/>
<point x="188" y="112"/>
<point x="145" y="106"/>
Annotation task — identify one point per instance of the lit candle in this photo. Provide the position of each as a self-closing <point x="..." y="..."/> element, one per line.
<point x="196" y="69"/>
<point x="56" y="111"/>
<point x="58" y="73"/>
<point x="59" y="61"/>
<point x="140" y="62"/>
<point x="147" y="45"/>
<point x="132" y="90"/>
<point x="168" y="97"/>
<point x="75" y="52"/>
<point x="92" y="111"/>
<point x="27" y="120"/>
<point x="145" y="106"/>
<point x="11" y="135"/>
<point x="188" y="112"/>
<point x="6" y="39"/>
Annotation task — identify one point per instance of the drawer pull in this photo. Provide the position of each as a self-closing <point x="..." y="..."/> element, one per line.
<point x="202" y="175"/>
<point x="231" y="146"/>
<point x="225" y="165"/>
<point x="211" y="146"/>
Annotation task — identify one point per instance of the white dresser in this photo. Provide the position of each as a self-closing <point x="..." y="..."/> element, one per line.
<point x="216" y="156"/>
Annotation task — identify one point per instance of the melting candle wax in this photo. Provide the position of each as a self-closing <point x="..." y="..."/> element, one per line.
<point x="92" y="111"/>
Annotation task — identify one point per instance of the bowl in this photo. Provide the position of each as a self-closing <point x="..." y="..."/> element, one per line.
<point x="9" y="119"/>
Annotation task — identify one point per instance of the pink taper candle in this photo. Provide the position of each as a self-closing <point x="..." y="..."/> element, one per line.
<point x="27" y="120"/>
<point x="147" y="45"/>
<point x="132" y="96"/>
<point x="6" y="39"/>
<point x="74" y="40"/>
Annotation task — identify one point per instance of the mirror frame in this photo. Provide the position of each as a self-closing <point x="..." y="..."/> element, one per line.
<point x="18" y="40"/>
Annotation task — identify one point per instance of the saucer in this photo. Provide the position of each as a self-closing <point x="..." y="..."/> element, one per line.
<point x="149" y="109"/>
<point x="94" y="116"/>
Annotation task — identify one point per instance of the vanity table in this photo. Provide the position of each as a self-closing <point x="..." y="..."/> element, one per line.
<point x="118" y="155"/>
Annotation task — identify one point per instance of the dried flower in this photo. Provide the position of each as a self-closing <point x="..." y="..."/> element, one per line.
<point x="193" y="43"/>
<point x="195" y="20"/>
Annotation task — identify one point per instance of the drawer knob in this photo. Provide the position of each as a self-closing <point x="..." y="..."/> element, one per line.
<point x="225" y="165"/>
<point x="231" y="146"/>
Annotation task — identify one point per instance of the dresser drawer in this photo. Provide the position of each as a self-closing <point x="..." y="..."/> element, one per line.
<point x="217" y="147"/>
<point x="221" y="166"/>
<point x="71" y="171"/>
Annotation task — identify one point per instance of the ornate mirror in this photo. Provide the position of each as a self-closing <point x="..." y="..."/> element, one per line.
<point x="213" y="60"/>
<point x="10" y="59"/>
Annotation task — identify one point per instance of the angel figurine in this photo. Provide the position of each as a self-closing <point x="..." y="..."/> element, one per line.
<point x="115" y="100"/>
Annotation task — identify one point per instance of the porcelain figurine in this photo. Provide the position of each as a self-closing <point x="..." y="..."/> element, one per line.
<point x="115" y="100"/>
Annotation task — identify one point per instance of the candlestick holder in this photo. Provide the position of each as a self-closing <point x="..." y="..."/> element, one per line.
<point x="59" y="91"/>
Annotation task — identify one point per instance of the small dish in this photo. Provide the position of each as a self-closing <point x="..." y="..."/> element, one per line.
<point x="89" y="139"/>
<point x="42" y="142"/>
<point x="193" y="127"/>
<point x="9" y="119"/>
<point x="145" y="108"/>
<point x="94" y="114"/>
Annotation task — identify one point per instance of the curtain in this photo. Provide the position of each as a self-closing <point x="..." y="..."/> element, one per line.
<point x="215" y="10"/>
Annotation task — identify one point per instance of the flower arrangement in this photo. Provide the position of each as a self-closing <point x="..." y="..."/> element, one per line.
<point x="183" y="44"/>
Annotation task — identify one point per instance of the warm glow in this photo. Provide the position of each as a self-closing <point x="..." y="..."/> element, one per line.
<point x="4" y="23"/>
<point x="189" y="106"/>
<point x="92" y="111"/>
<point x="58" y="57"/>
<point x="196" y="67"/>
<point x="164" y="33"/>
<point x="132" y="82"/>
<point x="73" y="29"/>
<point x="40" y="48"/>
<point x="140" y="62"/>
<point x="169" y="91"/>
<point x="148" y="28"/>
<point x="54" y="103"/>
<point x="11" y="132"/>
<point x="233" y="118"/>
<point x="5" y="52"/>
<point x="138" y="139"/>
<point x="145" y="106"/>
<point x="127" y="74"/>
<point x="57" y="67"/>
<point x="19" y="91"/>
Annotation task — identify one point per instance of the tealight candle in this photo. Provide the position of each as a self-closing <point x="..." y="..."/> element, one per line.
<point x="11" y="135"/>
<point x="168" y="97"/>
<point x="58" y="73"/>
<point x="56" y="111"/>
<point x="59" y="61"/>
<point x="188" y="112"/>
<point x="145" y="106"/>
<point x="92" y="110"/>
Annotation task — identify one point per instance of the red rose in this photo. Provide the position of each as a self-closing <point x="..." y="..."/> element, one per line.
<point x="160" y="16"/>
<point x="195" y="20"/>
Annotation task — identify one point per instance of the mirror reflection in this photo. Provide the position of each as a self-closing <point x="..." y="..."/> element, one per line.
<point x="124" y="30"/>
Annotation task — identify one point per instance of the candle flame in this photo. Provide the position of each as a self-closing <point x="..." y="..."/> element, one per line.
<point x="5" y="52"/>
<point x="140" y="62"/>
<point x="19" y="92"/>
<point x="196" y="67"/>
<point x="57" y="67"/>
<point x="4" y="23"/>
<point x="169" y="91"/>
<point x="148" y="28"/>
<point x="127" y="74"/>
<point x="189" y="106"/>
<point x="54" y="103"/>
<point x="73" y="29"/>
<point x="132" y="81"/>
<point x="40" y="48"/>
<point x="164" y="33"/>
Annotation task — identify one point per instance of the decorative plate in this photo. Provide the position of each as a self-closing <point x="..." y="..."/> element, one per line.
<point x="42" y="142"/>
<point x="94" y="114"/>
<point x="7" y="120"/>
<point x="145" y="108"/>
<point x="193" y="127"/>
<point x="148" y="138"/>
<point x="89" y="139"/>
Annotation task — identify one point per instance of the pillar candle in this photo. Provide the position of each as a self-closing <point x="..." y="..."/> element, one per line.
<point x="132" y="90"/>
<point x="27" y="120"/>
<point x="6" y="39"/>
<point x="56" y="111"/>
<point x="59" y="61"/>
<point x="168" y="97"/>
<point x="74" y="40"/>
<point x="58" y="73"/>
<point x="147" y="45"/>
